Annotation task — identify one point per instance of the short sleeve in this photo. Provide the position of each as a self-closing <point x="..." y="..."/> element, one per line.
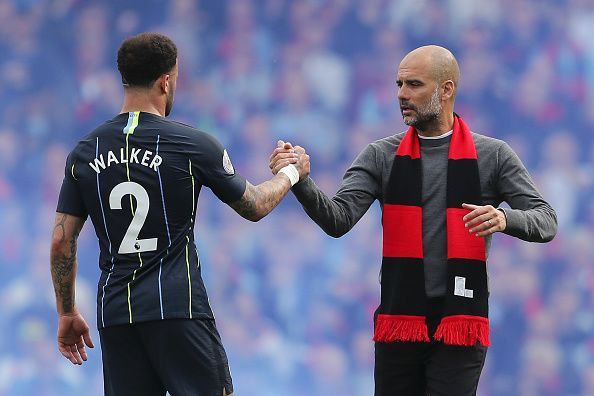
<point x="216" y="171"/>
<point x="70" y="200"/>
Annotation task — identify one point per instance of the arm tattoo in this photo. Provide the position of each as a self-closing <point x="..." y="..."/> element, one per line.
<point x="62" y="271"/>
<point x="63" y="263"/>
<point x="258" y="201"/>
<point x="246" y="205"/>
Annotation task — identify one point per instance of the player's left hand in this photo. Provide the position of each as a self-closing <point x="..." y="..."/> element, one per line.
<point x="484" y="220"/>
<point x="73" y="334"/>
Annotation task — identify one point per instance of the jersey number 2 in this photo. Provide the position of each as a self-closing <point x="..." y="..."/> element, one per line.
<point x="130" y="243"/>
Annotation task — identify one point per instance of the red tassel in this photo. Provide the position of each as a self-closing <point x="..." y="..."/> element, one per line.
<point x="391" y="328"/>
<point x="464" y="330"/>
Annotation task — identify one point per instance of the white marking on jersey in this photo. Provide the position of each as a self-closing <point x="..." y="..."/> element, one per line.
<point x="99" y="164"/>
<point x="227" y="165"/>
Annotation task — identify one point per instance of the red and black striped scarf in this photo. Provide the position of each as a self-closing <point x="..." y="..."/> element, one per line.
<point x="401" y="315"/>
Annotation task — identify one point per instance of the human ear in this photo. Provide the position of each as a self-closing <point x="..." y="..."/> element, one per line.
<point x="165" y="83"/>
<point x="447" y="89"/>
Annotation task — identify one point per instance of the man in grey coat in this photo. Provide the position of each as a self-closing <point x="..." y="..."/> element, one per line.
<point x="436" y="180"/>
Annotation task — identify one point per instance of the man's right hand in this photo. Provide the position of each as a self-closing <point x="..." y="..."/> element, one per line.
<point x="285" y="154"/>
<point x="73" y="334"/>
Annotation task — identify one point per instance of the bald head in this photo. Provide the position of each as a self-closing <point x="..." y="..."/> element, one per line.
<point x="438" y="61"/>
<point x="427" y="84"/>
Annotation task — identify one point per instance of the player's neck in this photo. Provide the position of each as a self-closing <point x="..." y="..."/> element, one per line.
<point x="142" y="100"/>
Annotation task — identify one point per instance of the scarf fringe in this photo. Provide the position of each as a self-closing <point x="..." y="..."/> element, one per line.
<point x="391" y="328"/>
<point x="463" y="330"/>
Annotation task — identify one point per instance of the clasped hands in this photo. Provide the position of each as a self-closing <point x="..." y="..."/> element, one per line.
<point x="285" y="154"/>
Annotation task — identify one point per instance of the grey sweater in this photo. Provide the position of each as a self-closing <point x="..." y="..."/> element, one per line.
<point x="503" y="178"/>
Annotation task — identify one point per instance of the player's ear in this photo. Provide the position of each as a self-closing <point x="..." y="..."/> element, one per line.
<point x="164" y="83"/>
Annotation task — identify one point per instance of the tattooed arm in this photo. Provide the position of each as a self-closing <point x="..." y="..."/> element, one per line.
<point x="73" y="331"/>
<point x="258" y="201"/>
<point x="63" y="259"/>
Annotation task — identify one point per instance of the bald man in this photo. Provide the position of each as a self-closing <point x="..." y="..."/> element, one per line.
<point x="440" y="186"/>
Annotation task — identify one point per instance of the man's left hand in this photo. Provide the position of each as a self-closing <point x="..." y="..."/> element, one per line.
<point x="484" y="220"/>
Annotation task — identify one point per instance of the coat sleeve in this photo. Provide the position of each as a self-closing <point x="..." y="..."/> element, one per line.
<point x="360" y="187"/>
<point x="530" y="217"/>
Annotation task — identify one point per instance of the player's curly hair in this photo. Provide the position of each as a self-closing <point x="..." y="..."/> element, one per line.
<point x="145" y="57"/>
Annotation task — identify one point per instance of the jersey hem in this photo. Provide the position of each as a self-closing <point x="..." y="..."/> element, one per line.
<point x="152" y="318"/>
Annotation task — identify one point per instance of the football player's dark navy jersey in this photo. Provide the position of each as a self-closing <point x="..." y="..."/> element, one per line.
<point x="138" y="177"/>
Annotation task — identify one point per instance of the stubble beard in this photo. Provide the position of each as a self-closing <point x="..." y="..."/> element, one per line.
<point x="427" y="113"/>
<point x="169" y="104"/>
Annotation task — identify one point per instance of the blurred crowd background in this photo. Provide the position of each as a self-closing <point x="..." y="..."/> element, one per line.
<point x="293" y="305"/>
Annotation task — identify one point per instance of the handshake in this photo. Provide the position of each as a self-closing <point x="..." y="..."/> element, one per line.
<point x="292" y="161"/>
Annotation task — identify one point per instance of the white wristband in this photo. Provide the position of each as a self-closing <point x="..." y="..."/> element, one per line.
<point x="291" y="172"/>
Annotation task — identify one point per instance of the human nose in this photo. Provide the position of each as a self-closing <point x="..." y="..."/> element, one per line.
<point x="402" y="94"/>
